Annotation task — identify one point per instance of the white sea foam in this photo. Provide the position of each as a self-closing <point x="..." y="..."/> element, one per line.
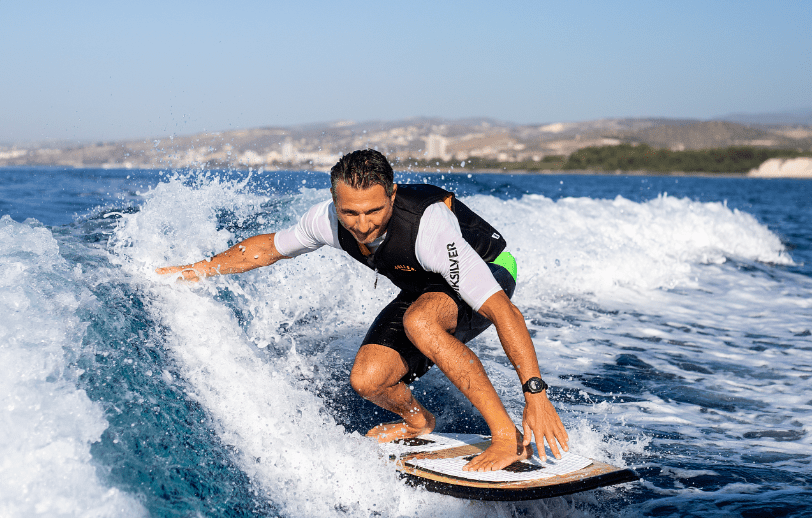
<point x="293" y="451"/>
<point x="583" y="245"/>
<point x="48" y="424"/>
<point x="599" y="279"/>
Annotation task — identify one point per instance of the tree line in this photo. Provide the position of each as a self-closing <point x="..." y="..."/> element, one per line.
<point x="623" y="157"/>
<point x="642" y="157"/>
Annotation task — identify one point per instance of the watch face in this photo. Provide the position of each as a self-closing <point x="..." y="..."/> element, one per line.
<point x="534" y="385"/>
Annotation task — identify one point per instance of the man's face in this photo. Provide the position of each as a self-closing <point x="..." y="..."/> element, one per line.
<point x="364" y="212"/>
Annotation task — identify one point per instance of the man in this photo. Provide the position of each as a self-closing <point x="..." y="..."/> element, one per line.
<point x="453" y="274"/>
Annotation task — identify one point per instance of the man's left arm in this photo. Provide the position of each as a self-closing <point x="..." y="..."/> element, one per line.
<point x="540" y="417"/>
<point x="441" y="248"/>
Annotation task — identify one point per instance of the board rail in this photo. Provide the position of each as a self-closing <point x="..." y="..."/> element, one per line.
<point x="597" y="474"/>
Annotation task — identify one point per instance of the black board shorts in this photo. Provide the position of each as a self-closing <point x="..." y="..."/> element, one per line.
<point x="388" y="330"/>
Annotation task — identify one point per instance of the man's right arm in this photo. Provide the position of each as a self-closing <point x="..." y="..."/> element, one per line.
<point x="254" y="252"/>
<point x="318" y="227"/>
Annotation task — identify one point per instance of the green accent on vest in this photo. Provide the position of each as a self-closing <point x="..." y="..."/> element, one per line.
<point x="508" y="262"/>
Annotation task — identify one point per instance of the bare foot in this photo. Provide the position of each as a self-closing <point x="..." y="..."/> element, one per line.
<point x="502" y="452"/>
<point x="420" y="424"/>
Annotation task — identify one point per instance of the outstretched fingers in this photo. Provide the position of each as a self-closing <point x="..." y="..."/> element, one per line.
<point x="187" y="273"/>
<point x="501" y="453"/>
<point x="541" y="421"/>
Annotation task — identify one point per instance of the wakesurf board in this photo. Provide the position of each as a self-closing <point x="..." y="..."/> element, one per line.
<point x="434" y="461"/>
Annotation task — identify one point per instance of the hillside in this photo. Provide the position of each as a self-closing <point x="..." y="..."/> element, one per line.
<point x="679" y="135"/>
<point x="409" y="143"/>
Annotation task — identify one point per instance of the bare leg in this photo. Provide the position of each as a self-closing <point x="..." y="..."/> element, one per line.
<point x="429" y="323"/>
<point x="376" y="377"/>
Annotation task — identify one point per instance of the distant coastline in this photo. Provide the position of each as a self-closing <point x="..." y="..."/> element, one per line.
<point x="610" y="146"/>
<point x="464" y="172"/>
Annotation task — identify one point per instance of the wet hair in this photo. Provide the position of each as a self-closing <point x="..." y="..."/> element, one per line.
<point x="363" y="169"/>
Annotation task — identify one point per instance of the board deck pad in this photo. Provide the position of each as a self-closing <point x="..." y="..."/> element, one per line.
<point x="435" y="462"/>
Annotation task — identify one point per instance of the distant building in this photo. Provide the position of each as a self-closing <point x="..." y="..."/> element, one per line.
<point x="13" y="153"/>
<point x="437" y="147"/>
<point x="288" y="152"/>
<point x="251" y="158"/>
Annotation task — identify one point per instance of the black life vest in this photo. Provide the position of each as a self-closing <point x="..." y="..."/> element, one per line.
<point x="395" y="258"/>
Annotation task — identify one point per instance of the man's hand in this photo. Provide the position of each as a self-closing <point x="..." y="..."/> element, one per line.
<point x="541" y="420"/>
<point x="187" y="272"/>
<point x="254" y="252"/>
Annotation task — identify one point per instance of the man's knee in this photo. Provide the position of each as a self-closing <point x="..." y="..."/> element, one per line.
<point x="417" y="324"/>
<point x="363" y="382"/>
<point x="376" y="368"/>
<point x="432" y="313"/>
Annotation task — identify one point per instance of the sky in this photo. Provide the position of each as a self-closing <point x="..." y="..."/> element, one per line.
<point x="101" y="70"/>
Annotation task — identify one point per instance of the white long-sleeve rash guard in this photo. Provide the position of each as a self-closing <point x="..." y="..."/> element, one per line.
<point x="439" y="232"/>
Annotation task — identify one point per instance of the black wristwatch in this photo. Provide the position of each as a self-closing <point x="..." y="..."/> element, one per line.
<point x="534" y="385"/>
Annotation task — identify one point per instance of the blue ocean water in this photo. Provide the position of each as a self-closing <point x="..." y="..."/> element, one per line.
<point x="671" y="315"/>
